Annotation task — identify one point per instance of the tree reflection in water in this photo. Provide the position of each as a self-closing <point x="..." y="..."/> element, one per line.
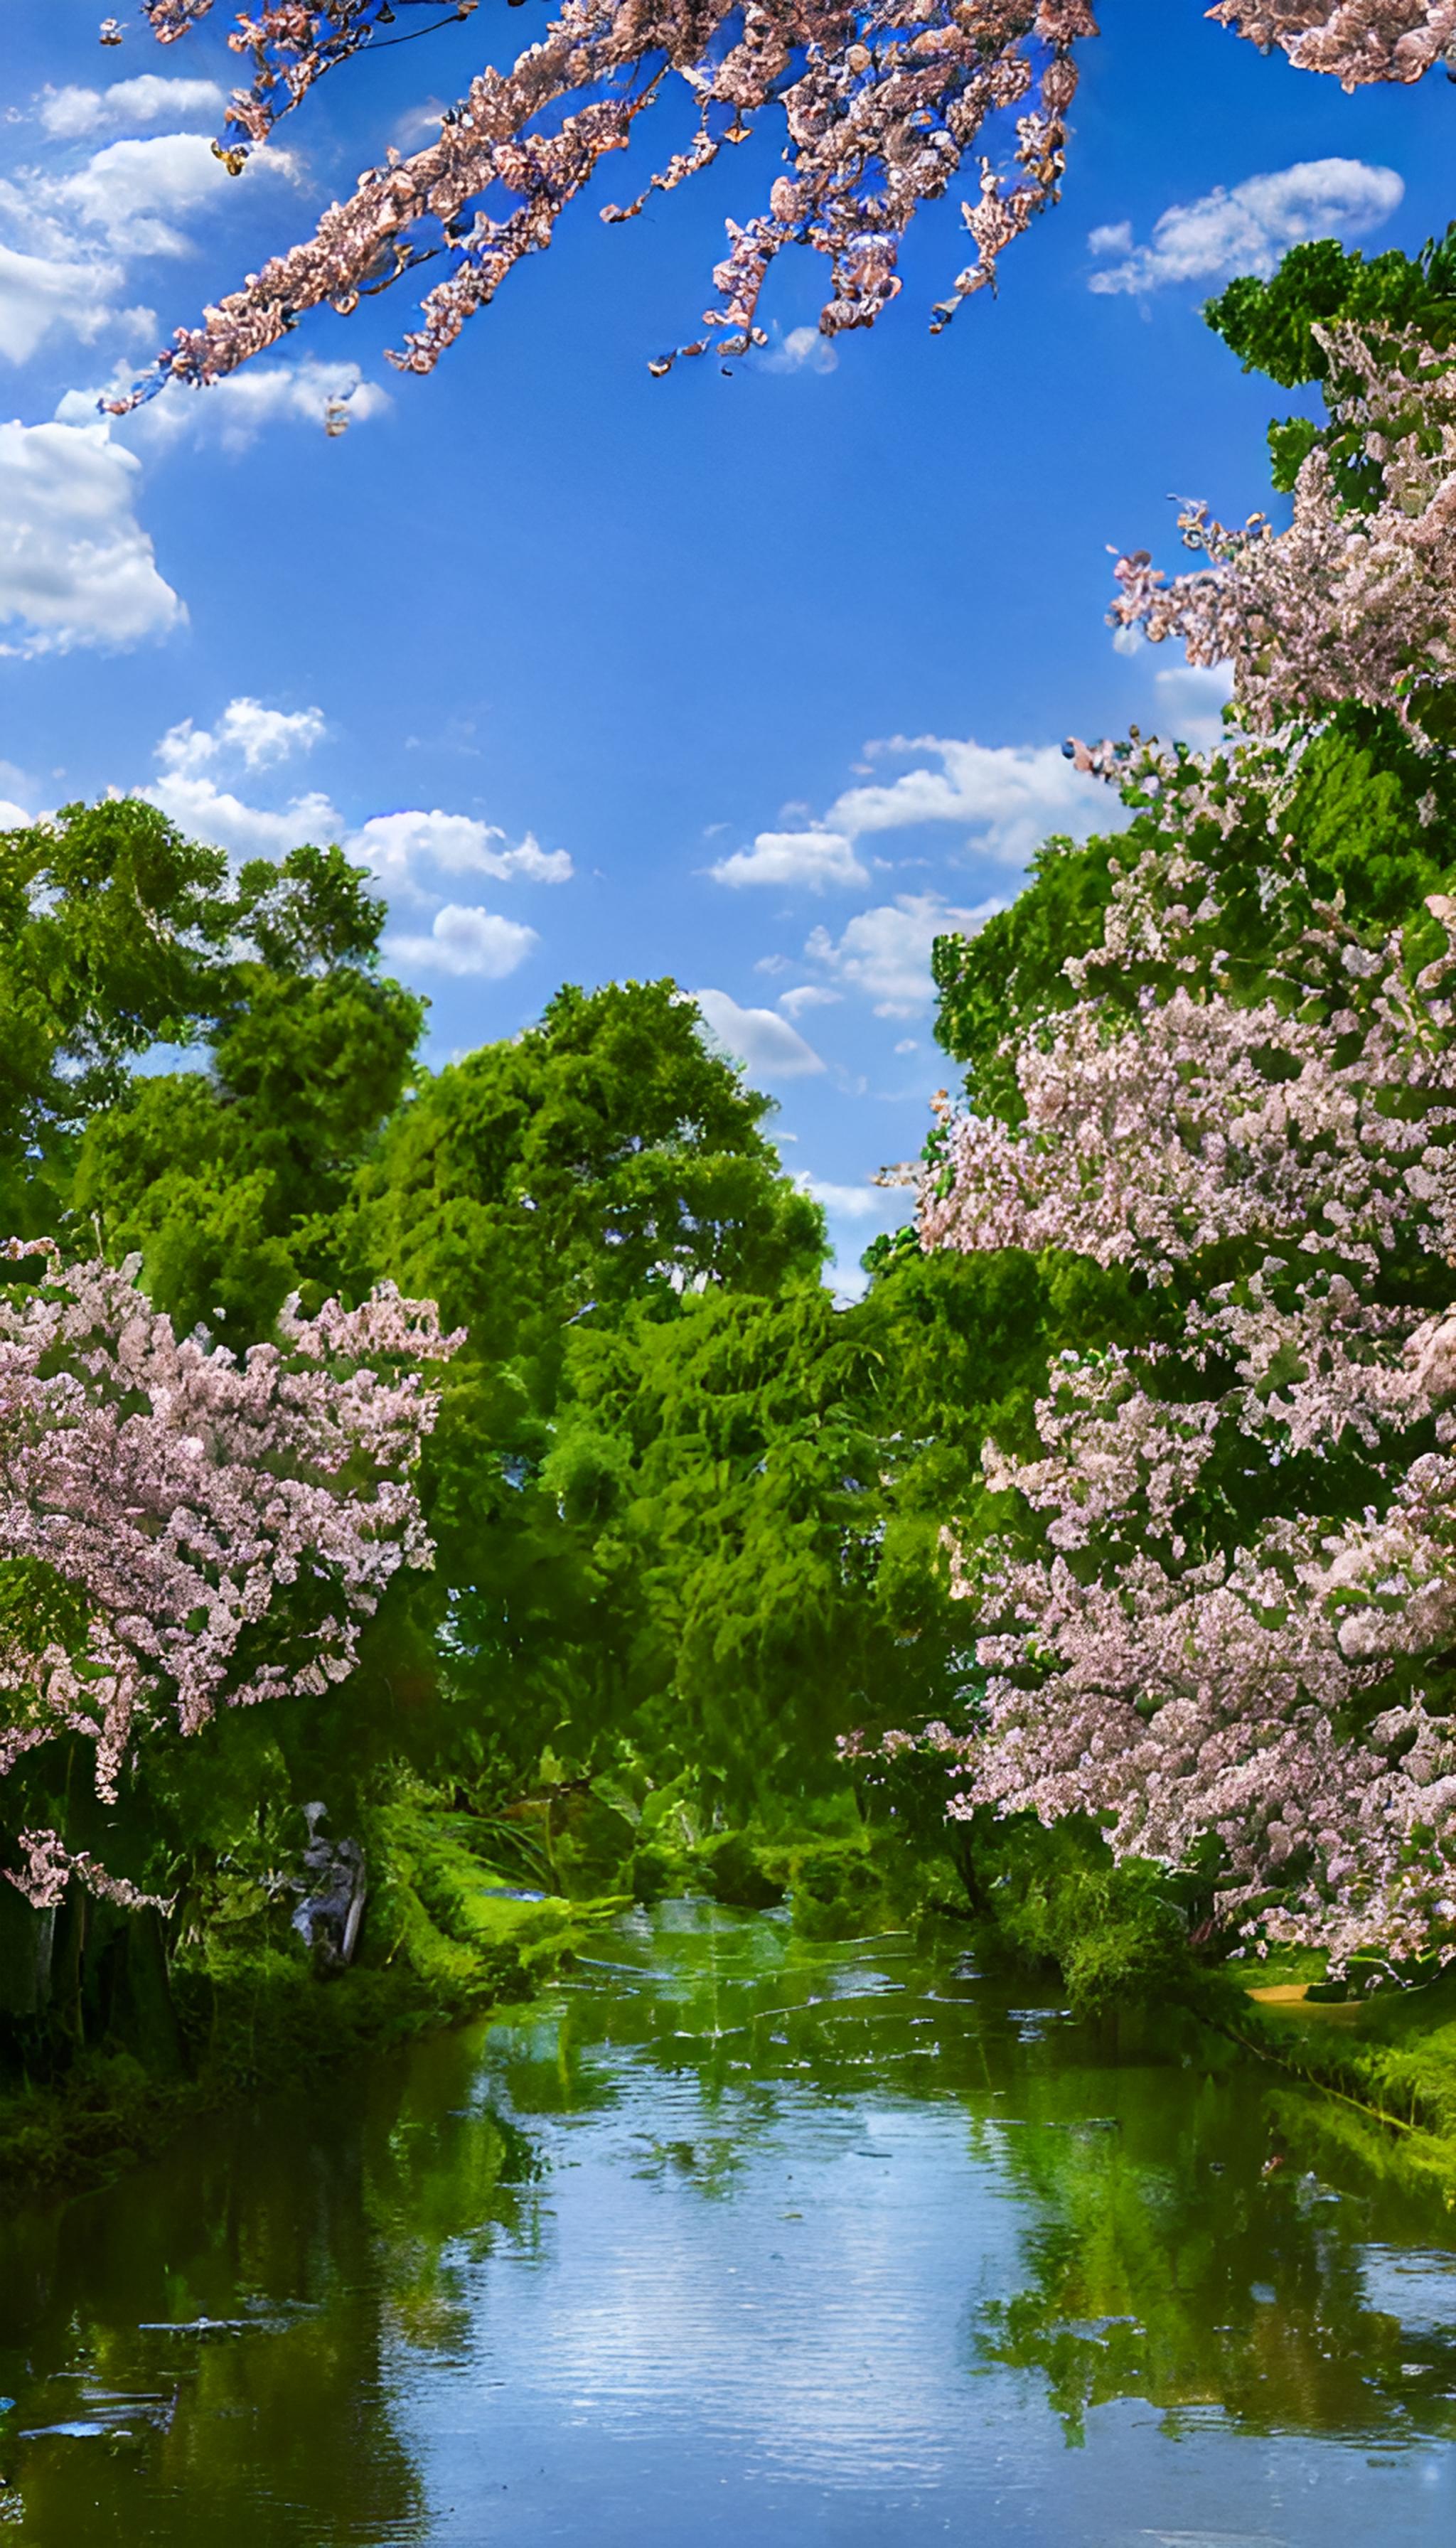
<point x="241" y="2341"/>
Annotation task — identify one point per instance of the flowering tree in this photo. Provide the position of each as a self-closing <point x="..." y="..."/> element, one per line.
<point x="1357" y="599"/>
<point x="181" y="1531"/>
<point x="881" y="104"/>
<point x="1217" y="1614"/>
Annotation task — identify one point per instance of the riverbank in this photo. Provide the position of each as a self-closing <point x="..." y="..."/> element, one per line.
<point x="452" y="1930"/>
<point x="248" y="2009"/>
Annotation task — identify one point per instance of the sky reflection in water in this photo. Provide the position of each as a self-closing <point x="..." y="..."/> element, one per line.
<point x="746" y="2239"/>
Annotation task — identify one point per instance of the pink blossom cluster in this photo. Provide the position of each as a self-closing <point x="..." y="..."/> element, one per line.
<point x="1344" y="604"/>
<point x="881" y="104"/>
<point x="183" y="1498"/>
<point x="1270" y="1694"/>
<point x="1356" y="41"/>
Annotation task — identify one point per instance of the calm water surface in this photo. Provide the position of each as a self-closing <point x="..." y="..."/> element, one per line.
<point x="745" y="2240"/>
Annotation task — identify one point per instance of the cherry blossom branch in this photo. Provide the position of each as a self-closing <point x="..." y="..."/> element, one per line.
<point x="1356" y="41"/>
<point x="881" y="104"/>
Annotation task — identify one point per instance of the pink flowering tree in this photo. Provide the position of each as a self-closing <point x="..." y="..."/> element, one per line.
<point x="1214" y="1605"/>
<point x="883" y="106"/>
<point x="181" y="1531"/>
<point x="1213" y="1575"/>
<point x="1355" y="600"/>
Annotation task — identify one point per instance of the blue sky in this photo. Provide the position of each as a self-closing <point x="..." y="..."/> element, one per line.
<point x="754" y="680"/>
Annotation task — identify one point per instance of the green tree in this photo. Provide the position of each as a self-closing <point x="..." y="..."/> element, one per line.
<point x="110" y="930"/>
<point x="230" y="1180"/>
<point x="602" y="1166"/>
<point x="1274" y="326"/>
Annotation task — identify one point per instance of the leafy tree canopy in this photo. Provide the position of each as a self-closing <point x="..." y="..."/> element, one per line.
<point x="1274" y="324"/>
<point x="110" y="930"/>
<point x="230" y="1180"/>
<point x="603" y="1164"/>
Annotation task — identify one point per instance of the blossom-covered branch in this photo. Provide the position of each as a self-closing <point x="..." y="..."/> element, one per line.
<point x="179" y="1530"/>
<point x="881" y="104"/>
<point x="1356" y="41"/>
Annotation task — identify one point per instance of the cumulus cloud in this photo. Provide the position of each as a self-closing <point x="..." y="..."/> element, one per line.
<point x="71" y="114"/>
<point x="76" y="568"/>
<point x="884" y="954"/>
<point x="41" y="295"/>
<point x="805" y="995"/>
<point x="1245" y="228"/>
<point x="803" y="350"/>
<point x="464" y="939"/>
<point x="208" y="812"/>
<point x="246" y="731"/>
<point x="136" y="189"/>
<point x="758" y="1039"/>
<point x="397" y="845"/>
<point x="235" y="411"/>
<point x="809" y="861"/>
<point x="195" y="764"/>
<point x="13" y="817"/>
<point x="865" y="1202"/>
<point x="1011" y="796"/>
<point x="249" y="737"/>
<point x="66" y="235"/>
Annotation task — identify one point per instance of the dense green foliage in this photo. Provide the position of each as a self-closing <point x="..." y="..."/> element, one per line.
<point x="230" y="1180"/>
<point x="603" y="1167"/>
<point x="1274" y="324"/>
<point x="1372" y="822"/>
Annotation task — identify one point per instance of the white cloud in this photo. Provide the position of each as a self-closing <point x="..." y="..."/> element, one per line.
<point x="127" y="196"/>
<point x="245" y="731"/>
<point x="234" y="411"/>
<point x="135" y="190"/>
<point x="853" y="1202"/>
<point x="465" y="939"/>
<point x="68" y="114"/>
<point x="907" y="1043"/>
<point x="246" y="736"/>
<point x="42" y="295"/>
<point x="1190" y="697"/>
<point x="808" y="860"/>
<point x="193" y="762"/>
<point x="885" y="952"/>
<point x="13" y="818"/>
<point x="207" y="812"/>
<point x="806" y="995"/>
<point x="76" y="568"/>
<point x="1245" y="228"/>
<point x="802" y="349"/>
<point x="1011" y="794"/>
<point x="396" y="846"/>
<point x="758" y="1037"/>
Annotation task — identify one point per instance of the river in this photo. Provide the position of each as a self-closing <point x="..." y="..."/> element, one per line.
<point x="740" y="2239"/>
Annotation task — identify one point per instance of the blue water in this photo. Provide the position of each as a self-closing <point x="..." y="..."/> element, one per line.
<point x="743" y="2239"/>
